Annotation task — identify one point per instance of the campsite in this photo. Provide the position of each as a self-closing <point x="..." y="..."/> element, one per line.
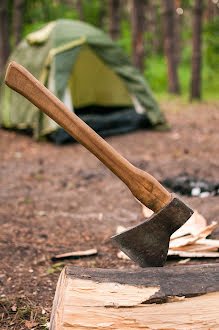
<point x="60" y="205"/>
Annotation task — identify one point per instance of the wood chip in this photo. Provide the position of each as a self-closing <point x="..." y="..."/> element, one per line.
<point x="208" y="230"/>
<point x="182" y="241"/>
<point x="76" y="254"/>
<point x="120" y="229"/>
<point x="194" y="226"/>
<point x="30" y="325"/>
<point x="147" y="213"/>
<point x="196" y="248"/>
<point x="122" y="255"/>
<point x="184" y="261"/>
<point x="185" y="254"/>
<point x="211" y="242"/>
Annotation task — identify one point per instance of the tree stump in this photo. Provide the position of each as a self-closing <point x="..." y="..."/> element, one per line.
<point x="180" y="297"/>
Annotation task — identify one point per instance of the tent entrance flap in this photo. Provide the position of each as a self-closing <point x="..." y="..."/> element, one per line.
<point x="92" y="82"/>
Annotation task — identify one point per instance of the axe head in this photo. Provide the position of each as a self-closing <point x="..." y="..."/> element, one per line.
<point x="147" y="243"/>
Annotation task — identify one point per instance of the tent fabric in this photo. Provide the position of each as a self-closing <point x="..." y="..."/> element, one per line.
<point x="85" y="61"/>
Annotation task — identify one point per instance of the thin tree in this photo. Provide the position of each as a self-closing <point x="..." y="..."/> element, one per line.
<point x="169" y="45"/>
<point x="114" y="19"/>
<point x="4" y="34"/>
<point x="79" y="8"/>
<point x="138" y="22"/>
<point x="195" y="87"/>
<point x="153" y="26"/>
<point x="17" y="20"/>
<point x="211" y="9"/>
<point x="177" y="31"/>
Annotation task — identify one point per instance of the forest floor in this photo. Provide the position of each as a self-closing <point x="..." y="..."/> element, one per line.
<point x="59" y="199"/>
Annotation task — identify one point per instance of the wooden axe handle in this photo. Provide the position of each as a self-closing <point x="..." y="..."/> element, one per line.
<point x="142" y="185"/>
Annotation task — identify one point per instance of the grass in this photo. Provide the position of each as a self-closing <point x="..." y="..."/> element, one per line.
<point x="156" y="75"/>
<point x="155" y="64"/>
<point x="22" y="314"/>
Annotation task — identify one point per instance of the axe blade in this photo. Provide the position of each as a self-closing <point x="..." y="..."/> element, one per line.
<point x="147" y="243"/>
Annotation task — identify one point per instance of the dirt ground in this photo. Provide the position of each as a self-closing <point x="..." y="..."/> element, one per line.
<point x="57" y="199"/>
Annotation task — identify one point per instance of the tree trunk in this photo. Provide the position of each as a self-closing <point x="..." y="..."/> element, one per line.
<point x="79" y="7"/>
<point x="138" y="22"/>
<point x="169" y="47"/>
<point x="114" y="18"/>
<point x="153" y="26"/>
<point x="177" y="37"/>
<point x="195" y="88"/>
<point x="103" y="14"/>
<point x="4" y="35"/>
<point x="212" y="10"/>
<point x="17" y="20"/>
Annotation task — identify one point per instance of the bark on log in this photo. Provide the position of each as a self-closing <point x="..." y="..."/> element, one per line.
<point x="181" y="297"/>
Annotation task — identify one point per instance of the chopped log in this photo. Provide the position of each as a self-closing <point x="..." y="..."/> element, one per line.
<point x="180" y="297"/>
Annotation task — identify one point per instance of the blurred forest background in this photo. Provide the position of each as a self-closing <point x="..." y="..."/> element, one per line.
<point x="174" y="43"/>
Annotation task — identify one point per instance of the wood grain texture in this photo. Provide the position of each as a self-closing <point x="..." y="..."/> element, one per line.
<point x="142" y="185"/>
<point x="114" y="299"/>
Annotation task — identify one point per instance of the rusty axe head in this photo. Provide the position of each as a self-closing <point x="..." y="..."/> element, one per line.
<point x="147" y="243"/>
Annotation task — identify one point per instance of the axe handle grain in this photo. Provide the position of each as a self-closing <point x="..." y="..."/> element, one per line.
<point x="142" y="185"/>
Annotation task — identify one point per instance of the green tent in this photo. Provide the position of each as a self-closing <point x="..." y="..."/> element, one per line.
<point x="84" y="68"/>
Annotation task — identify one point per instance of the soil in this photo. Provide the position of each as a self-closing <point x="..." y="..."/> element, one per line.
<point x="59" y="199"/>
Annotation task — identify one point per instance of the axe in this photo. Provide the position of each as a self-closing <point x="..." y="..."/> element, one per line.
<point x="146" y="243"/>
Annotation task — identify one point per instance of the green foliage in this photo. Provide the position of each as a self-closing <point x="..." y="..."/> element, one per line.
<point x="155" y="65"/>
<point x="211" y="49"/>
<point x="155" y="73"/>
<point x="38" y="12"/>
<point x="125" y="41"/>
<point x="211" y="58"/>
<point x="94" y="11"/>
<point x="55" y="268"/>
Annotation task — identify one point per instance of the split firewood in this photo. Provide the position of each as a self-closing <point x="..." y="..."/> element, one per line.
<point x="193" y="226"/>
<point x="88" y="298"/>
<point x="188" y="254"/>
<point x="182" y="241"/>
<point x="76" y="254"/>
<point x="210" y="242"/>
<point x="190" y="239"/>
<point x="196" y="246"/>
